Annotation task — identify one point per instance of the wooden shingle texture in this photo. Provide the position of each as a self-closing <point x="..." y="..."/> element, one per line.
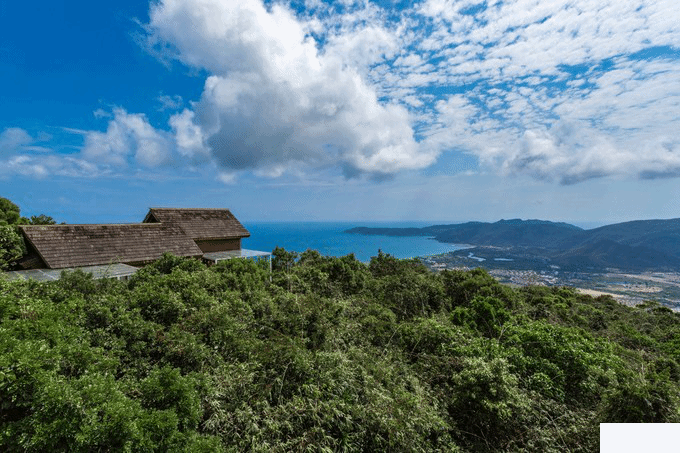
<point x="62" y="246"/>
<point x="200" y="224"/>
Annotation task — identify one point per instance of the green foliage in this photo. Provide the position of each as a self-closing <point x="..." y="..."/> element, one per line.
<point x="41" y="219"/>
<point x="168" y="262"/>
<point x="12" y="246"/>
<point x="563" y="363"/>
<point x="9" y="212"/>
<point x="283" y="260"/>
<point x="462" y="287"/>
<point x="385" y="265"/>
<point x="649" y="399"/>
<point x="330" y="354"/>
<point x="487" y="402"/>
<point x="485" y="314"/>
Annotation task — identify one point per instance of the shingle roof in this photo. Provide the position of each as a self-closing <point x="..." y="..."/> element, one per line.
<point x="62" y="246"/>
<point x="200" y="224"/>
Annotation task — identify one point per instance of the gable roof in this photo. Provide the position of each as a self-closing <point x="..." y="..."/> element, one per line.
<point x="62" y="246"/>
<point x="200" y="224"/>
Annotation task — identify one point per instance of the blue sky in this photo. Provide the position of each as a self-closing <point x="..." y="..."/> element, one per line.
<point x="347" y="110"/>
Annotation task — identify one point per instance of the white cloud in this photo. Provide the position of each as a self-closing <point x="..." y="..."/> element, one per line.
<point x="189" y="136"/>
<point x="25" y="166"/>
<point x="550" y="155"/>
<point x="274" y="101"/>
<point x="226" y="177"/>
<point x="42" y="166"/>
<point x="556" y="90"/>
<point x="362" y="47"/>
<point x="128" y="134"/>
<point x="566" y="90"/>
<point x="26" y="159"/>
<point x="170" y="102"/>
<point x="129" y="142"/>
<point x="101" y="113"/>
<point x="13" y="138"/>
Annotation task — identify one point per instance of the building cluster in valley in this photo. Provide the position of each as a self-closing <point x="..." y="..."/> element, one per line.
<point x="515" y="277"/>
<point x="626" y="287"/>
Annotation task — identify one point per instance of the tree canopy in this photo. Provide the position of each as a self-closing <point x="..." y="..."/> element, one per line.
<point x="41" y="219"/>
<point x="9" y="212"/>
<point x="330" y="355"/>
<point x="12" y="246"/>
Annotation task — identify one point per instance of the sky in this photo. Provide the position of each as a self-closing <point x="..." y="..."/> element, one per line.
<point x="442" y="110"/>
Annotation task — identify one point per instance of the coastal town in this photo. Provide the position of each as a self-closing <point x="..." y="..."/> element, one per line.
<point x="625" y="287"/>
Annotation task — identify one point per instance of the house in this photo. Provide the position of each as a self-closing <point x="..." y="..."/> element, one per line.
<point x="210" y="234"/>
<point x="213" y="230"/>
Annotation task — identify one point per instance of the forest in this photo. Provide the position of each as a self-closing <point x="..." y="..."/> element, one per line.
<point x="324" y="354"/>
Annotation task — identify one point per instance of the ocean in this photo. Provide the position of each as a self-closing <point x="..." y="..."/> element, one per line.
<point x="328" y="238"/>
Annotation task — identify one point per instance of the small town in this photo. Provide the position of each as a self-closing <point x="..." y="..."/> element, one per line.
<point x="625" y="287"/>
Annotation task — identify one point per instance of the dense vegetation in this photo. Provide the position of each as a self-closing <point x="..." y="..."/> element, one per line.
<point x="12" y="246"/>
<point x="330" y="355"/>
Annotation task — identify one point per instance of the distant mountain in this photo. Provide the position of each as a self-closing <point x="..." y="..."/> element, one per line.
<point x="641" y="244"/>
<point x="661" y="235"/>
<point x="608" y="253"/>
<point x="515" y="232"/>
<point x="510" y="233"/>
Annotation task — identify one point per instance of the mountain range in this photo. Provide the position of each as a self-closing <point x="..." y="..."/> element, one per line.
<point x="636" y="245"/>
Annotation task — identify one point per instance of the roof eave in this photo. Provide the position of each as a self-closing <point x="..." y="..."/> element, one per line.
<point x="37" y="250"/>
<point x="221" y="238"/>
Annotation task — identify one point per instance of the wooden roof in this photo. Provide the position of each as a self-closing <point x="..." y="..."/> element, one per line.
<point x="62" y="246"/>
<point x="200" y="224"/>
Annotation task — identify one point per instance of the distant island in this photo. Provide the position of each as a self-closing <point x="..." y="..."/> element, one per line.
<point x="642" y="245"/>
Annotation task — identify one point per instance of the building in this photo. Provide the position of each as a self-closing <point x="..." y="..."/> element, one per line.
<point x="212" y="230"/>
<point x="209" y="234"/>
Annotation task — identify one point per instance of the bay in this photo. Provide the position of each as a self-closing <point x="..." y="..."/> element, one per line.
<point x="328" y="238"/>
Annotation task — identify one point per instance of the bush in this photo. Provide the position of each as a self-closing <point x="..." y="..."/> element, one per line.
<point x="331" y="355"/>
<point x="12" y="246"/>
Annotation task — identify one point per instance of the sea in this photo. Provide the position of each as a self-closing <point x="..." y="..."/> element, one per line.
<point x="330" y="240"/>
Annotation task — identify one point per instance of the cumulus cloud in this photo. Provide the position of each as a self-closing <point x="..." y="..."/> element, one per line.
<point x="189" y="136"/>
<point x="362" y="46"/>
<point x="274" y="101"/>
<point x="129" y="141"/>
<point x="128" y="134"/>
<point x="13" y="138"/>
<point x="575" y="153"/>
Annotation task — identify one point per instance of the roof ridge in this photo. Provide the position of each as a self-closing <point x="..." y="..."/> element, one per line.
<point x="193" y="209"/>
<point x="96" y="224"/>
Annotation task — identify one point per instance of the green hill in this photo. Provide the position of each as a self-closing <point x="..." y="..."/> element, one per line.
<point x="638" y="245"/>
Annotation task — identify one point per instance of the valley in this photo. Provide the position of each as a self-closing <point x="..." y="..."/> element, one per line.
<point x="518" y="267"/>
